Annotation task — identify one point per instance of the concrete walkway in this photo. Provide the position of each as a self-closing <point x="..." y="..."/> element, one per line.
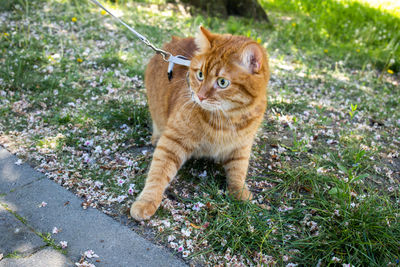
<point x="24" y="226"/>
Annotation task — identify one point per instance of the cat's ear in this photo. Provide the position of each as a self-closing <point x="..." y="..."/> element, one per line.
<point x="252" y="58"/>
<point x="204" y="39"/>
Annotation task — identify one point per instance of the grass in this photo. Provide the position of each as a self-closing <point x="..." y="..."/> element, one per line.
<point x="348" y="31"/>
<point x="325" y="166"/>
<point x="45" y="237"/>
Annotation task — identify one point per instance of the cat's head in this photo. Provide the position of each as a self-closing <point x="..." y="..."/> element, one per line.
<point x="227" y="72"/>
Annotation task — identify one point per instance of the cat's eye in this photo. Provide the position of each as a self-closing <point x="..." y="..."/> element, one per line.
<point x="223" y="83"/>
<point x="200" y="75"/>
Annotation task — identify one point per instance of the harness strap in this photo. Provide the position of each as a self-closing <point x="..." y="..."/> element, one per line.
<point x="180" y="60"/>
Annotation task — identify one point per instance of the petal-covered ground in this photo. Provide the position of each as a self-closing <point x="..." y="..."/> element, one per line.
<point x="325" y="166"/>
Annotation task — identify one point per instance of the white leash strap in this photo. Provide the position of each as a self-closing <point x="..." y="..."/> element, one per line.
<point x="180" y="60"/>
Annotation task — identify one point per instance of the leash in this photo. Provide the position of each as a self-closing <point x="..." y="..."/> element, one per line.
<point x="167" y="57"/>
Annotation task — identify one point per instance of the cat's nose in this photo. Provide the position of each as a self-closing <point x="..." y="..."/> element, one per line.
<point x="201" y="97"/>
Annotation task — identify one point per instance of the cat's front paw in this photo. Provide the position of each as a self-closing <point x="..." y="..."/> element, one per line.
<point x="143" y="209"/>
<point x="241" y="194"/>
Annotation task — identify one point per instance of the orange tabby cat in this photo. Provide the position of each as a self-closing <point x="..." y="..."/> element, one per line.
<point x="212" y="109"/>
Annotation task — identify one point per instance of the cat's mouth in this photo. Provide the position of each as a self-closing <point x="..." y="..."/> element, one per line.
<point x="207" y="105"/>
<point x="210" y="105"/>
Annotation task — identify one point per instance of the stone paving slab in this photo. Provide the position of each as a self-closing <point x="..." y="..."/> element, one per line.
<point x="116" y="244"/>
<point x="15" y="236"/>
<point x="45" y="258"/>
<point x="12" y="175"/>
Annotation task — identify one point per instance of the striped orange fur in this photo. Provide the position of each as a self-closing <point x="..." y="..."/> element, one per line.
<point x="211" y="109"/>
